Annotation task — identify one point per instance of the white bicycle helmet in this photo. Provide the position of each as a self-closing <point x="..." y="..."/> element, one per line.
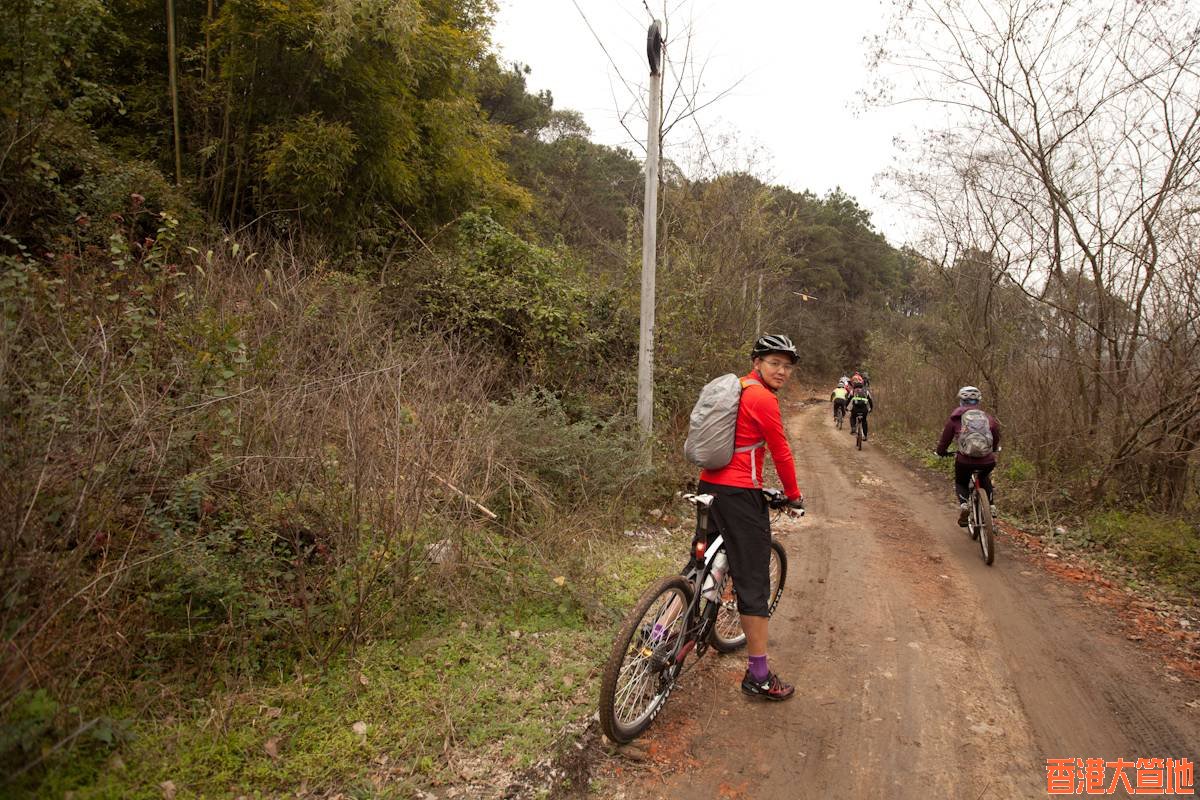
<point x="774" y="343"/>
<point x="970" y="394"/>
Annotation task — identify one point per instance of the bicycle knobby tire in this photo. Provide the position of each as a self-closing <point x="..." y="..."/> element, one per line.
<point x="987" y="538"/>
<point x="727" y="634"/>
<point x="633" y="689"/>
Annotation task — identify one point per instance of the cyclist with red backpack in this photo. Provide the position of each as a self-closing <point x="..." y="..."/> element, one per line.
<point x="860" y="403"/>
<point x="740" y="510"/>
<point x="978" y="436"/>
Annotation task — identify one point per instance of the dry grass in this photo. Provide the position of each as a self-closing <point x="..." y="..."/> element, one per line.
<point x="216" y="462"/>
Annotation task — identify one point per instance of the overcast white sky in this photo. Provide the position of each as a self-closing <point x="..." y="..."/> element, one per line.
<point x="794" y="118"/>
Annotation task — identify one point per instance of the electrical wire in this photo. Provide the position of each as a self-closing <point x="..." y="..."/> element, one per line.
<point x="596" y="36"/>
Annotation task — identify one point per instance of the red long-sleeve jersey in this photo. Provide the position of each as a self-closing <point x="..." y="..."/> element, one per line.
<point x="758" y="420"/>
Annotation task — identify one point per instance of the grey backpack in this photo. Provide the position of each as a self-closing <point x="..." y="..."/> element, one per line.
<point x="975" y="433"/>
<point x="713" y="423"/>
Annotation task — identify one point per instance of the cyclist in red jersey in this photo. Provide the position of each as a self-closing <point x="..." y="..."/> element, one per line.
<point x="741" y="510"/>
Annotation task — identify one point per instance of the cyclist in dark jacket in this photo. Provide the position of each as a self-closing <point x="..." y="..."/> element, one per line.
<point x="860" y="404"/>
<point x="969" y="398"/>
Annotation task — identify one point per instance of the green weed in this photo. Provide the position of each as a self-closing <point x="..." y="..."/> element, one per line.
<point x="1167" y="549"/>
<point x="393" y="711"/>
<point x="629" y="575"/>
<point x="1015" y="469"/>
<point x="497" y="679"/>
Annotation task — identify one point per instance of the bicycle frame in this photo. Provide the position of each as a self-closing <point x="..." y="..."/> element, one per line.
<point x="698" y="623"/>
<point x="978" y="495"/>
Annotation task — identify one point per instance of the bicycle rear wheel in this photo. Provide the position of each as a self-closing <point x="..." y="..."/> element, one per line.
<point x="987" y="539"/>
<point x="858" y="436"/>
<point x="640" y="671"/>
<point x="727" y="634"/>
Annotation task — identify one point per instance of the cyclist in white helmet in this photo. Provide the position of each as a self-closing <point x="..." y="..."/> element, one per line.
<point x="978" y="436"/>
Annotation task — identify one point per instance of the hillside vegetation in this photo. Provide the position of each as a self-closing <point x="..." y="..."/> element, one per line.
<point x="319" y="413"/>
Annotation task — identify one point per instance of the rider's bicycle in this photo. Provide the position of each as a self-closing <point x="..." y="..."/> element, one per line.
<point x="979" y="520"/>
<point x="856" y="424"/>
<point x="980" y="525"/>
<point x="676" y="617"/>
<point x="839" y="415"/>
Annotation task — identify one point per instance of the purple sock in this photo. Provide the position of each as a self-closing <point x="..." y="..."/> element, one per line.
<point x="758" y="668"/>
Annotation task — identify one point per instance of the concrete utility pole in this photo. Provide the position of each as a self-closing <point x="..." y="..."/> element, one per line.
<point x="645" y="397"/>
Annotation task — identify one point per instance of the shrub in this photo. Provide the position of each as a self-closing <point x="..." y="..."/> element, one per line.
<point x="496" y="290"/>
<point x="306" y="163"/>
<point x="572" y="463"/>
<point x="1168" y="549"/>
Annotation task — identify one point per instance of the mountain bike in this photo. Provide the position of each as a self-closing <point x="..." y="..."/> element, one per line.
<point x="839" y="415"/>
<point x="979" y="520"/>
<point x="677" y="616"/>
<point x="980" y="525"/>
<point x="856" y="429"/>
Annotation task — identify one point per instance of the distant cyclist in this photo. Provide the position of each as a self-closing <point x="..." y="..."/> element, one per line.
<point x="978" y="436"/>
<point x="740" y="510"/>
<point x="860" y="404"/>
<point x="839" y="397"/>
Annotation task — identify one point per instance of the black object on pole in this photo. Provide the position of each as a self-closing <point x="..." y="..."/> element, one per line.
<point x="654" y="43"/>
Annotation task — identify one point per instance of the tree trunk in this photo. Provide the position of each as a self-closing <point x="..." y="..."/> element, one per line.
<point x="174" y="90"/>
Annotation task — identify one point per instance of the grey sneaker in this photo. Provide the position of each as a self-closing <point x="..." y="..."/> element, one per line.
<point x="962" y="515"/>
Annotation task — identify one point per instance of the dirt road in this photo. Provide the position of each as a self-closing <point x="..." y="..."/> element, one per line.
<point x="920" y="672"/>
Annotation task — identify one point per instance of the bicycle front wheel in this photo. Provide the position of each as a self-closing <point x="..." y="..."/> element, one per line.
<point x="987" y="539"/>
<point x="640" y="671"/>
<point x="727" y="634"/>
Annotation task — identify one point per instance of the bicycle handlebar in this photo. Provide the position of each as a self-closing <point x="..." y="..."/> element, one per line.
<point x="949" y="453"/>
<point x="776" y="501"/>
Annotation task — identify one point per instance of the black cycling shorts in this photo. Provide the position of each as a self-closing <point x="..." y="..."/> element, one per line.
<point x="744" y="520"/>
